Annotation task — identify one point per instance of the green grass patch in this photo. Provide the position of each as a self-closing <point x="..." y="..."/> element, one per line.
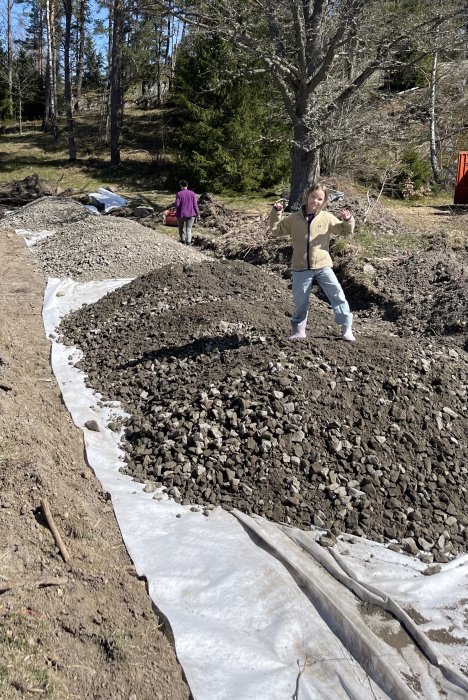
<point x="368" y="244"/>
<point x="148" y="172"/>
<point x="145" y="166"/>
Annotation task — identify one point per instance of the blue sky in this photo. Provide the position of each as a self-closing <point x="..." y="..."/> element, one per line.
<point x="20" y="21"/>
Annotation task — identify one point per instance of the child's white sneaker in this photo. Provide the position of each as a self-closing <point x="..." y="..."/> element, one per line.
<point x="347" y="333"/>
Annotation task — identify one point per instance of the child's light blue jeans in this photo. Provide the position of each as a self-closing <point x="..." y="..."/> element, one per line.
<point x="302" y="284"/>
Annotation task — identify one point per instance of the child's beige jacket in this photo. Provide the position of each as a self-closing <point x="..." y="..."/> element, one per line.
<point x="310" y="243"/>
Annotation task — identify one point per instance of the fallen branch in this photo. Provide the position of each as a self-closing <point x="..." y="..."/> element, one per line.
<point x="53" y="528"/>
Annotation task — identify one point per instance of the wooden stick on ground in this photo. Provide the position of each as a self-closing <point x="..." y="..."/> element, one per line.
<point x="53" y="528"/>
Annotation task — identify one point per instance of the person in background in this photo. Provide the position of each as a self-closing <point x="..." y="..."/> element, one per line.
<point x="310" y="230"/>
<point x="186" y="211"/>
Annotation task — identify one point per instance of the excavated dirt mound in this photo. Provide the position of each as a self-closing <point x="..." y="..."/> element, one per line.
<point x="19" y="192"/>
<point x="368" y="437"/>
<point x="237" y="235"/>
<point x="425" y="293"/>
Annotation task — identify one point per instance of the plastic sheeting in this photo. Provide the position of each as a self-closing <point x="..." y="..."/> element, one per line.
<point x="259" y="610"/>
<point x="105" y="201"/>
<point x="33" y="237"/>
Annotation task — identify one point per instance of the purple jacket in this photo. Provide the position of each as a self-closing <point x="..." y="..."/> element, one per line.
<point x="186" y="204"/>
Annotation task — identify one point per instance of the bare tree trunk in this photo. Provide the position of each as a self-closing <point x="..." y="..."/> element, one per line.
<point x="10" y="57"/>
<point x="177" y="32"/>
<point x="80" y="59"/>
<point x="51" y="72"/>
<point x="41" y="61"/>
<point x="433" y="118"/>
<point x="45" y="121"/>
<point x="107" y="88"/>
<point x="116" y="83"/>
<point x="67" y="5"/>
<point x="305" y="166"/>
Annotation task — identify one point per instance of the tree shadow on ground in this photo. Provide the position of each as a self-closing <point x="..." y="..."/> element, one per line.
<point x="451" y="209"/>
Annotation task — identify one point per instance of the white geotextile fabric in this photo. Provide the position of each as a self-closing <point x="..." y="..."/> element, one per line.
<point x="253" y="614"/>
<point x="33" y="237"/>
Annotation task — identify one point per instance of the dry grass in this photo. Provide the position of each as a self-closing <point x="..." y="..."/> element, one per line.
<point x="25" y="671"/>
<point x="143" y="159"/>
<point x="9" y="452"/>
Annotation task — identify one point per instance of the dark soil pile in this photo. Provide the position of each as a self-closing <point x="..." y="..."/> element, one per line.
<point x="425" y="293"/>
<point x="20" y="192"/>
<point x="369" y="438"/>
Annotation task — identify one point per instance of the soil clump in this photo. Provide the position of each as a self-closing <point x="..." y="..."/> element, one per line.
<point x="20" y="192"/>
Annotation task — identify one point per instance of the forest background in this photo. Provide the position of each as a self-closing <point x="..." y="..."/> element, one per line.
<point x="250" y="98"/>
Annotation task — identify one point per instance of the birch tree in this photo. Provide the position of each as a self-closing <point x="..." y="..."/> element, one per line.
<point x="10" y="54"/>
<point x="50" y="112"/>
<point x="80" y="51"/>
<point x="433" y="118"/>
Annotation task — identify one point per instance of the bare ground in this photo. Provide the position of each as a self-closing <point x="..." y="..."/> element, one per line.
<point x="85" y="628"/>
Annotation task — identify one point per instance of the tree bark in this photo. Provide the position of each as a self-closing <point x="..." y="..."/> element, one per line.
<point x="433" y="118"/>
<point x="305" y="166"/>
<point x="10" y="57"/>
<point x="116" y="83"/>
<point x="80" y="59"/>
<point x="67" y="4"/>
<point x="51" y="101"/>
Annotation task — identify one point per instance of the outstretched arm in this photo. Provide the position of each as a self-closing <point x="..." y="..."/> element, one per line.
<point x="345" y="227"/>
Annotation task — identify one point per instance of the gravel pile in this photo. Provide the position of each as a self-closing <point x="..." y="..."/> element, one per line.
<point x="87" y="247"/>
<point x="368" y="438"/>
<point x="47" y="213"/>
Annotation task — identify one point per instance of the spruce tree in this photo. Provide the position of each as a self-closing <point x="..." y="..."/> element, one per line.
<point x="227" y="124"/>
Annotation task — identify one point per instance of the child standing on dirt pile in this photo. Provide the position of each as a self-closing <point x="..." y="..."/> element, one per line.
<point x="310" y="230"/>
<point x="186" y="211"/>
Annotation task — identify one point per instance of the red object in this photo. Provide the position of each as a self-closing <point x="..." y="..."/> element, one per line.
<point x="461" y="186"/>
<point x="169" y="217"/>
